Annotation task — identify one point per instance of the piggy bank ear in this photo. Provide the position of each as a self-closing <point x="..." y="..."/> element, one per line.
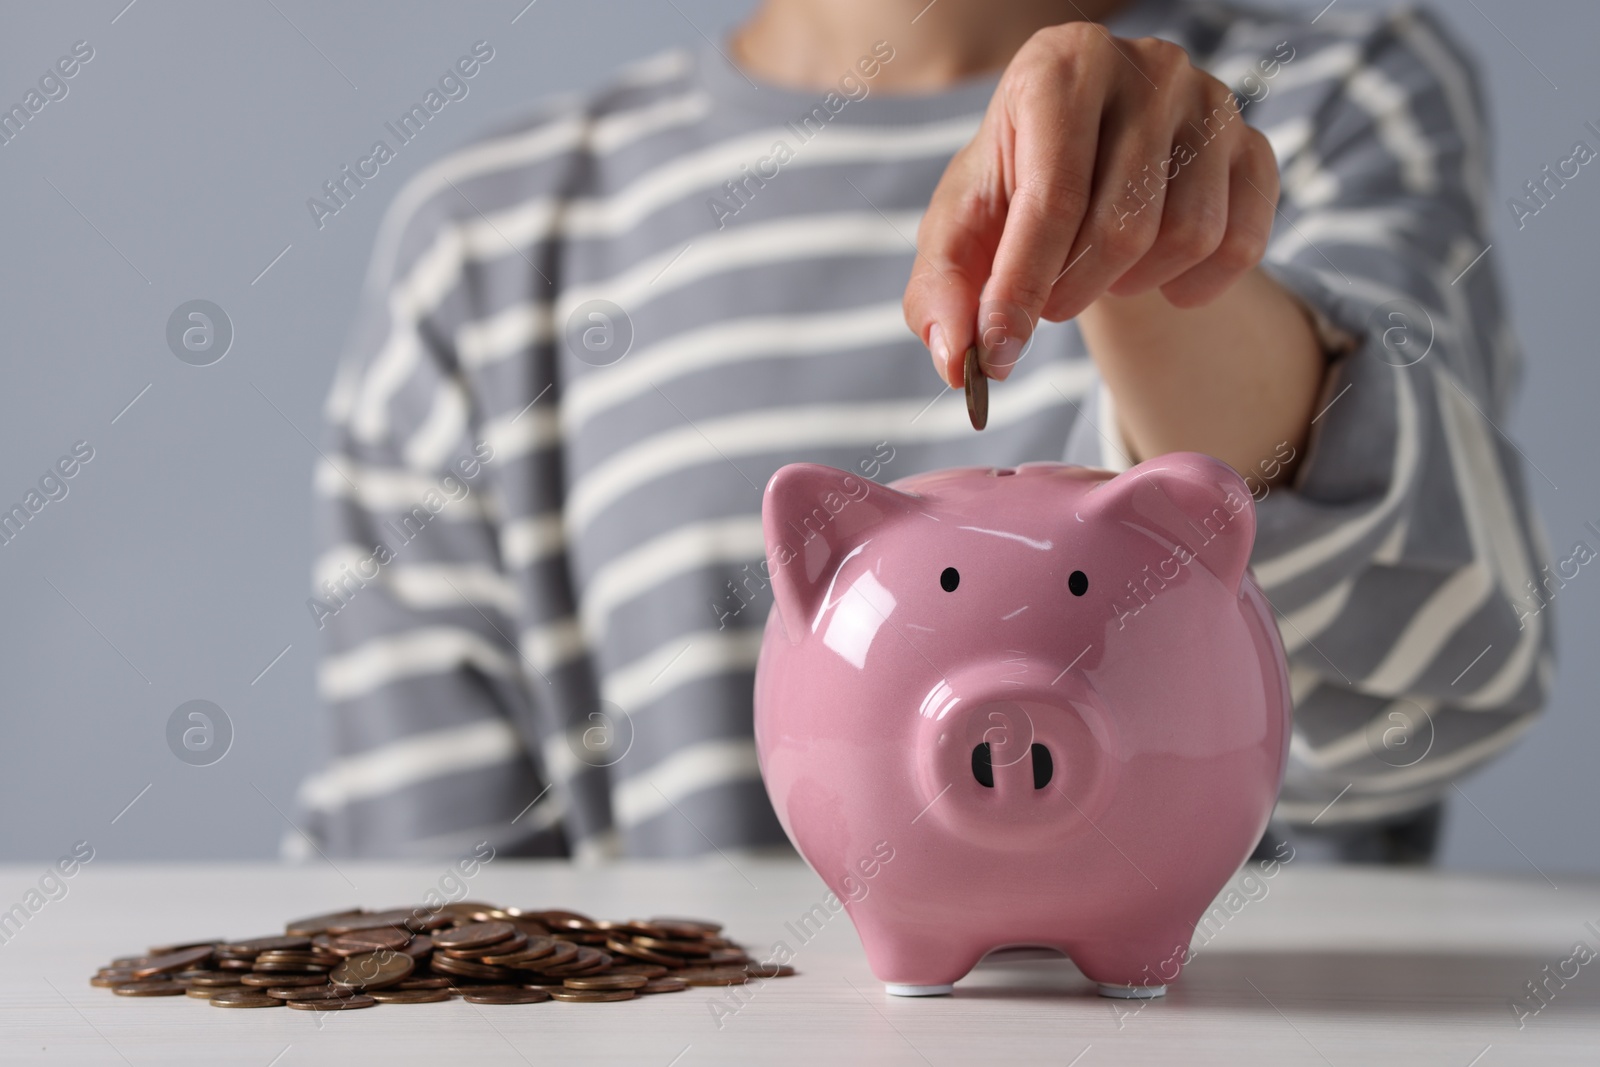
<point x="1185" y="499"/>
<point x="813" y="517"/>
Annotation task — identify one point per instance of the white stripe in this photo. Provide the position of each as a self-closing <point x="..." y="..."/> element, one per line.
<point x="1363" y="228"/>
<point x="1307" y="184"/>
<point x="410" y="298"/>
<point x="526" y="541"/>
<point x="442" y="430"/>
<point x="1333" y="63"/>
<point x="1361" y="743"/>
<point x="1290" y="138"/>
<point x="1284" y="568"/>
<point x="1389" y="106"/>
<point x="411" y="761"/>
<point x="1446" y="610"/>
<point x="1495" y="535"/>
<point x="798" y="428"/>
<point x="1301" y="626"/>
<point x="394" y="362"/>
<point x="342" y="395"/>
<point x="624" y="128"/>
<point x="392" y="489"/>
<point x="1475" y="353"/>
<point x="607" y="133"/>
<point x="680" y="660"/>
<point x="1456" y="83"/>
<point x="427" y="585"/>
<point x="426" y="650"/>
<point x="689" y="770"/>
<point x="410" y="301"/>
<point x="522" y="432"/>
<point x="424" y="586"/>
<point x="1388" y="553"/>
<point x="1438" y="770"/>
<point x="864" y="233"/>
<point x="726" y="342"/>
<point x="667" y="556"/>
<point x="703" y="171"/>
<point x="1302" y="683"/>
<point x="329" y="566"/>
<point x="552" y="644"/>
<point x="504" y="232"/>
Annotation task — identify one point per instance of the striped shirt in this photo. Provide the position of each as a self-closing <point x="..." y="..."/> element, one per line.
<point x="589" y="340"/>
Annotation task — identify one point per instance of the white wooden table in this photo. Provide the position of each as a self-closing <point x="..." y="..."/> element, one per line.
<point x="1331" y="966"/>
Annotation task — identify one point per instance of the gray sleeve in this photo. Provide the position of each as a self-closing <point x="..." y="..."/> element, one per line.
<point x="1402" y="559"/>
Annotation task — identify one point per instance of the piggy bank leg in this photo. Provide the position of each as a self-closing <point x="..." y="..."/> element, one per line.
<point x="914" y="962"/>
<point x="1133" y="969"/>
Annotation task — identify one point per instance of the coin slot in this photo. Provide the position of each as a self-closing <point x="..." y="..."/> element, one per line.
<point x="1043" y="766"/>
<point x="982" y="766"/>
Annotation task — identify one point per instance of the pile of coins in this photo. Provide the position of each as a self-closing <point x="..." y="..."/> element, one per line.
<point x="479" y="952"/>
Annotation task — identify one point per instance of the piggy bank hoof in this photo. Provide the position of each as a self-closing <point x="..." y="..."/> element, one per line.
<point x="1132" y="992"/>
<point x="899" y="989"/>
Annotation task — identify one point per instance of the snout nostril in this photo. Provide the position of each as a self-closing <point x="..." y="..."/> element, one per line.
<point x="982" y="766"/>
<point x="1043" y="766"/>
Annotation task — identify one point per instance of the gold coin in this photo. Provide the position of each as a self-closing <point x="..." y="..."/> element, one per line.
<point x="715" y="976"/>
<point x="977" y="390"/>
<point x="474" y="935"/>
<point x="350" y="1003"/>
<point x="664" y="985"/>
<point x="607" y="981"/>
<point x="155" y="988"/>
<point x="112" y="979"/>
<point x="285" y="981"/>
<point x="591" y="996"/>
<point x="373" y="970"/>
<point x="309" y="992"/>
<point x="216" y="979"/>
<point x="505" y="996"/>
<point x="241" y="999"/>
<point x="410" y="996"/>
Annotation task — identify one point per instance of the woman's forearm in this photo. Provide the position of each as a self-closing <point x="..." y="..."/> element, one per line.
<point x="1237" y="378"/>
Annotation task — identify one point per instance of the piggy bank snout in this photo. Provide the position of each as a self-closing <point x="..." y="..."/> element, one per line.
<point x="1008" y="761"/>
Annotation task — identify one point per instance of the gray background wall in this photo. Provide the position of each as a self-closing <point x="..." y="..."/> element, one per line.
<point x="178" y="166"/>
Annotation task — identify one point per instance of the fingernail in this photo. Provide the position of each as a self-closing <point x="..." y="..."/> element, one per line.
<point x="938" y="350"/>
<point x="1001" y="339"/>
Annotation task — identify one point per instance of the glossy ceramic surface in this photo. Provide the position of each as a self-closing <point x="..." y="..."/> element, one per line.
<point x="929" y="638"/>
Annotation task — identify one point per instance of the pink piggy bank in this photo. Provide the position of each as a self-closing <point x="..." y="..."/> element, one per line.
<point x="1036" y="707"/>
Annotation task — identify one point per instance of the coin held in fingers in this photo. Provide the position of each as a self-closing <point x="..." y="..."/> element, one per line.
<point x="977" y="390"/>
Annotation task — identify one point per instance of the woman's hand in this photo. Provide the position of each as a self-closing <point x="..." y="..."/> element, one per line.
<point x="1102" y="166"/>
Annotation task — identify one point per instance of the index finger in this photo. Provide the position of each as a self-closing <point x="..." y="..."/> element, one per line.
<point x="1054" y="140"/>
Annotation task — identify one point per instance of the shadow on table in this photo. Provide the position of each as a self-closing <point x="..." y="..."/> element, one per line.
<point x="1428" y="982"/>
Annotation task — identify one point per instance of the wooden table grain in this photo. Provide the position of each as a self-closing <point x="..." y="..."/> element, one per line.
<point x="1318" y="965"/>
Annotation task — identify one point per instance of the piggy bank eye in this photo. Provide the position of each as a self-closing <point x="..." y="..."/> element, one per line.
<point x="1078" y="583"/>
<point x="949" y="580"/>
